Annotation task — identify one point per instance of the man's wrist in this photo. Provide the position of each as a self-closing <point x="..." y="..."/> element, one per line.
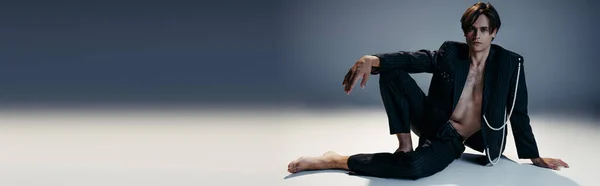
<point x="374" y="61"/>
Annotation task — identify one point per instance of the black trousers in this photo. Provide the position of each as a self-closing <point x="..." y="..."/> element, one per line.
<point x="406" y="106"/>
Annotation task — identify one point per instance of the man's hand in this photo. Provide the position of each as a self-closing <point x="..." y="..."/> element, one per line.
<point x="550" y="163"/>
<point x="361" y="69"/>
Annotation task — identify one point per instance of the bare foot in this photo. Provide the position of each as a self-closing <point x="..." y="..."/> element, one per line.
<point x="326" y="161"/>
<point x="405" y="148"/>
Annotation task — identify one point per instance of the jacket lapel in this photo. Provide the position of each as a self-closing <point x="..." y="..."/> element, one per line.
<point x="488" y="80"/>
<point x="461" y="70"/>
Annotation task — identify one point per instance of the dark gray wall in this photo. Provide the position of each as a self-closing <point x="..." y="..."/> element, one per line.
<point x="138" y="51"/>
<point x="270" y="52"/>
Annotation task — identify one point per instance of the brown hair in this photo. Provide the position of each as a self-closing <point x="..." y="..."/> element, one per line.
<point x="475" y="11"/>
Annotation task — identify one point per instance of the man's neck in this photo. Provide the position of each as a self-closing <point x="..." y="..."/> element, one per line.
<point x="479" y="58"/>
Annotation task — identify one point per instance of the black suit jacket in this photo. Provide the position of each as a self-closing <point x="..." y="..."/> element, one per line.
<point x="450" y="66"/>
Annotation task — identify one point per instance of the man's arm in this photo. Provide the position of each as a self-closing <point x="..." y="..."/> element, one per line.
<point x="520" y="123"/>
<point x="411" y="62"/>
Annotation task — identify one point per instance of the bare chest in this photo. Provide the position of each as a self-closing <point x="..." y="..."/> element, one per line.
<point x="467" y="113"/>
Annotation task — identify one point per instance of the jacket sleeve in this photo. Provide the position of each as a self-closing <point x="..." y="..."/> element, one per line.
<point x="520" y="123"/>
<point x="411" y="61"/>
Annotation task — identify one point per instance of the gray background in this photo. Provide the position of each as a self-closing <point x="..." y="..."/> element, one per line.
<point x="282" y="53"/>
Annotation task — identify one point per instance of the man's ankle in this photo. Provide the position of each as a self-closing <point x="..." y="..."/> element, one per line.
<point x="404" y="139"/>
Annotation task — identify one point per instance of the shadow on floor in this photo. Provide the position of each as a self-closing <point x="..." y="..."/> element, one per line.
<point x="467" y="171"/>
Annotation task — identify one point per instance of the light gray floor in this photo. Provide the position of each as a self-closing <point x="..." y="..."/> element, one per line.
<point x="228" y="147"/>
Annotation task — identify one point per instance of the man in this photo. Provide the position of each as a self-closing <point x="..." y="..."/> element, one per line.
<point x="475" y="89"/>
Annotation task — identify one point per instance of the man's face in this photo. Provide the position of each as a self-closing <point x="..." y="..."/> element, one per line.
<point x="479" y="36"/>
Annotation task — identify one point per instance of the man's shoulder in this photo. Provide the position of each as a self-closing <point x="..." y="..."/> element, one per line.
<point x="457" y="49"/>
<point x="455" y="45"/>
<point x="460" y="49"/>
<point x="508" y="53"/>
